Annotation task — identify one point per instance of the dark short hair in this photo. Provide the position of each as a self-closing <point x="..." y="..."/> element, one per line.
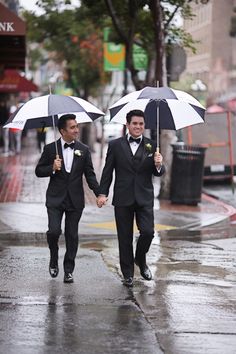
<point x="63" y="119"/>
<point x="134" y="112"/>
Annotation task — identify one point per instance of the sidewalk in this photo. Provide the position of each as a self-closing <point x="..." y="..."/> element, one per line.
<point x="186" y="308"/>
<point x="23" y="212"/>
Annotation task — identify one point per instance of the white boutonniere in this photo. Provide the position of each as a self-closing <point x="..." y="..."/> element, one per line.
<point x="78" y="152"/>
<point x="148" y="147"/>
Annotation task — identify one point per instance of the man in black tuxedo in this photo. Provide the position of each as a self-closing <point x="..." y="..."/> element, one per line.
<point x="65" y="194"/>
<point x="135" y="161"/>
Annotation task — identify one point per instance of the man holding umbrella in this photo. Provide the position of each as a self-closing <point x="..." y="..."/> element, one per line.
<point x="65" y="194"/>
<point x="135" y="161"/>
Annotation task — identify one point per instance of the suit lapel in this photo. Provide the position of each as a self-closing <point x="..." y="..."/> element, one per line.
<point x="75" y="158"/>
<point x="145" y="151"/>
<point x="128" y="152"/>
<point x="126" y="148"/>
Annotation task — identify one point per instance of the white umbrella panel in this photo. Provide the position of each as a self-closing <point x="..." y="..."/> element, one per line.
<point x="43" y="111"/>
<point x="164" y="108"/>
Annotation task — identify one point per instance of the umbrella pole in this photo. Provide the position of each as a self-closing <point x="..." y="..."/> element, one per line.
<point x="55" y="138"/>
<point x="158" y="123"/>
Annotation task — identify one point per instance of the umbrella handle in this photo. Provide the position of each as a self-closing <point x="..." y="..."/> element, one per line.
<point x="158" y="150"/>
<point x="58" y="157"/>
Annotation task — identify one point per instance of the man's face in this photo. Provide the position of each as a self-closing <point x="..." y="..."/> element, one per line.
<point x="136" y="126"/>
<point x="71" y="131"/>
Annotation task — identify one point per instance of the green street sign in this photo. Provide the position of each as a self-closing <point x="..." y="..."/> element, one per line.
<point x="114" y="56"/>
<point x="140" y="58"/>
<point x="106" y="32"/>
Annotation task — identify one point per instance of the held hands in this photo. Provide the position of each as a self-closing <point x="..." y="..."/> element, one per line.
<point x="158" y="159"/>
<point x="57" y="164"/>
<point x="101" y="200"/>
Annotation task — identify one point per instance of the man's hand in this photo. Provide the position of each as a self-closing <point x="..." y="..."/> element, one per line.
<point x="158" y="159"/>
<point x="57" y="164"/>
<point x="101" y="200"/>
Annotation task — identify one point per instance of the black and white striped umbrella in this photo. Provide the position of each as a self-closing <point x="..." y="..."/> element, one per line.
<point x="44" y="111"/>
<point x="39" y="112"/>
<point x="164" y="108"/>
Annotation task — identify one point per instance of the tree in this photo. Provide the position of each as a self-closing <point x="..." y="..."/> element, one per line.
<point x="73" y="39"/>
<point x="150" y="24"/>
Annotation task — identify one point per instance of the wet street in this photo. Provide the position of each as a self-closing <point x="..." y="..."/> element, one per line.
<point x="96" y="314"/>
<point x="189" y="306"/>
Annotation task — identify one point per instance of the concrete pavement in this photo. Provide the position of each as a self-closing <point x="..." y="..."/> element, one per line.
<point x="188" y="307"/>
<point x="23" y="213"/>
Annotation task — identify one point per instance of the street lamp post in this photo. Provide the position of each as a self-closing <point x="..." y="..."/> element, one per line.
<point x="199" y="89"/>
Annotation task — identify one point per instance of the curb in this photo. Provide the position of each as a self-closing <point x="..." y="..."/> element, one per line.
<point x="7" y="234"/>
<point x="40" y="237"/>
<point x="230" y="210"/>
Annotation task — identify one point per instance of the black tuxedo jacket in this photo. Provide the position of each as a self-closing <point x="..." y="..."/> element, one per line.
<point x="133" y="177"/>
<point x="62" y="182"/>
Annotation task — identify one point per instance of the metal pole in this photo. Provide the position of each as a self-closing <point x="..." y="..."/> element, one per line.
<point x="230" y="150"/>
<point x="158" y="125"/>
<point x="55" y="138"/>
<point x="125" y="88"/>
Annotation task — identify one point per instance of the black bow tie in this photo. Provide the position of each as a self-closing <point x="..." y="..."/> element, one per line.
<point x="72" y="145"/>
<point x="131" y="140"/>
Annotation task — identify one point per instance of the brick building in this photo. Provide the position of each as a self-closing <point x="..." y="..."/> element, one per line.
<point x="215" y="60"/>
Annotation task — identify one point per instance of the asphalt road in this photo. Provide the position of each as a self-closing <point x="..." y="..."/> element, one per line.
<point x="189" y="306"/>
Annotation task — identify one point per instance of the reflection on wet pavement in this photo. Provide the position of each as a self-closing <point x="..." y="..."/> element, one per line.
<point x="96" y="314"/>
<point x="210" y="233"/>
<point x="191" y="300"/>
<point x="188" y="307"/>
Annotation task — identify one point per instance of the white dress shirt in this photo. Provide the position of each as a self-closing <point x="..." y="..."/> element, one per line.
<point x="68" y="156"/>
<point x="133" y="145"/>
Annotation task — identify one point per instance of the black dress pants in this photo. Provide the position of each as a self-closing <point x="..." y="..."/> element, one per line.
<point x="72" y="218"/>
<point x="125" y="222"/>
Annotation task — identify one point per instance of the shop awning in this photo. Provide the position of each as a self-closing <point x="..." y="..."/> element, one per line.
<point x="12" y="40"/>
<point x="11" y="82"/>
<point x="215" y="108"/>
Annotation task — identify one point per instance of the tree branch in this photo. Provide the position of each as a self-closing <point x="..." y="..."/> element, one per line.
<point x="116" y="21"/>
<point x="166" y="25"/>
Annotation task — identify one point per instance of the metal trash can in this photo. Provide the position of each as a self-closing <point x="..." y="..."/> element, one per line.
<point x="187" y="174"/>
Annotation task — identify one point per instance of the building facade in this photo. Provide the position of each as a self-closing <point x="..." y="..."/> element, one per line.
<point x="214" y="62"/>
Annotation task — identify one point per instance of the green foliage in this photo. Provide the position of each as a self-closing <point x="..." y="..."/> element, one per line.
<point x="35" y="58"/>
<point x="134" y="21"/>
<point x="73" y="38"/>
<point x="178" y="35"/>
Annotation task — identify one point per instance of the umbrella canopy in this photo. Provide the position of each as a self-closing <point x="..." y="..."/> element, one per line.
<point x="164" y="108"/>
<point x="215" y="108"/>
<point x="44" y="111"/>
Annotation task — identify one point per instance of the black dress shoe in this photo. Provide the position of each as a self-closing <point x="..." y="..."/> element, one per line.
<point x="144" y="270"/>
<point x="128" y="282"/>
<point x="68" y="278"/>
<point x="53" y="271"/>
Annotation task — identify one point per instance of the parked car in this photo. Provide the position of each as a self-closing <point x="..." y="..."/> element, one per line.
<point x="111" y="130"/>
